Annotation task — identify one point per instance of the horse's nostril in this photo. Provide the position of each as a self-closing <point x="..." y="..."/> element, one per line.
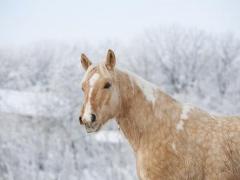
<point x="80" y="119"/>
<point x="93" y="117"/>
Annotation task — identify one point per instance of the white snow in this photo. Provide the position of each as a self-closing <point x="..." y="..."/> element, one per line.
<point x="174" y="147"/>
<point x="31" y="103"/>
<point x="185" y="110"/>
<point x="179" y="125"/>
<point x="108" y="136"/>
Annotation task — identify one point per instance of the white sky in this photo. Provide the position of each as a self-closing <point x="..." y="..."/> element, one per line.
<point x="25" y="21"/>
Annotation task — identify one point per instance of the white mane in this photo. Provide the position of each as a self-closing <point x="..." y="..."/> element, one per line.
<point x="148" y="88"/>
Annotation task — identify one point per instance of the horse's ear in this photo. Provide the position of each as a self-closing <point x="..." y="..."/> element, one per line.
<point x="85" y="61"/>
<point x="111" y="60"/>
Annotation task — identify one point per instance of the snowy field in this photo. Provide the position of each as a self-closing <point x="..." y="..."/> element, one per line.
<point x="40" y="98"/>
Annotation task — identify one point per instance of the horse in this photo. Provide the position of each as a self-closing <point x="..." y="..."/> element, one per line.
<point x="170" y="139"/>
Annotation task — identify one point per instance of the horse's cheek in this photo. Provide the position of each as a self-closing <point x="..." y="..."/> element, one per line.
<point x="101" y="100"/>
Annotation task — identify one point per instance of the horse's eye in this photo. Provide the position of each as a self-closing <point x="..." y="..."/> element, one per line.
<point x="107" y="85"/>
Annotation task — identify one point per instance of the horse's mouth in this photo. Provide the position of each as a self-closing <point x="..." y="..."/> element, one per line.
<point x="92" y="127"/>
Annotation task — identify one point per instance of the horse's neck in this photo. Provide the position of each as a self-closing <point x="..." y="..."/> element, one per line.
<point x="142" y="107"/>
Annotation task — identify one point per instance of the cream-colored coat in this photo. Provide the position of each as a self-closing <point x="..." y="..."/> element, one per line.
<point x="177" y="141"/>
<point x="170" y="140"/>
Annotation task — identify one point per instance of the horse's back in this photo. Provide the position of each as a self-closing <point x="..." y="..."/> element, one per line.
<point x="224" y="153"/>
<point x="206" y="147"/>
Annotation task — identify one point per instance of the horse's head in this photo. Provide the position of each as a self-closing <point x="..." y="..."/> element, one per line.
<point x="101" y="93"/>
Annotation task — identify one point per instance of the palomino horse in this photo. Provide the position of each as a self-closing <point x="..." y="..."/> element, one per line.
<point x="170" y="140"/>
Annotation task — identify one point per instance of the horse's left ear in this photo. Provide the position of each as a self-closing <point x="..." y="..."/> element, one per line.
<point x="111" y="60"/>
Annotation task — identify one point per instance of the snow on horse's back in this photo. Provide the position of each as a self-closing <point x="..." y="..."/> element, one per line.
<point x="171" y="140"/>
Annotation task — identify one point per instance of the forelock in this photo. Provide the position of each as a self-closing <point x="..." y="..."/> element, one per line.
<point x="88" y="72"/>
<point x="104" y="71"/>
<point x="101" y="69"/>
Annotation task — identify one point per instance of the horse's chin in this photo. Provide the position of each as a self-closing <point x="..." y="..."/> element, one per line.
<point x="94" y="128"/>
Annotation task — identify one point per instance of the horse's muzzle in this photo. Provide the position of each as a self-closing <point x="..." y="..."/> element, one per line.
<point x="91" y="126"/>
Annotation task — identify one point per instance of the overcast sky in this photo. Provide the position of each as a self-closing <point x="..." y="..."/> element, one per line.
<point x="25" y="21"/>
